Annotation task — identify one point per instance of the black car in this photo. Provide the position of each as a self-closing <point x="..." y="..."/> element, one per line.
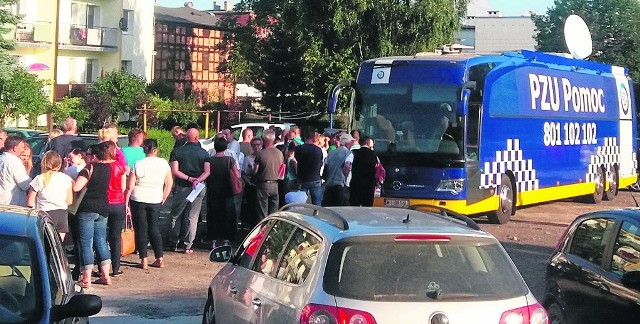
<point x="594" y="274"/>
<point x="38" y="145"/>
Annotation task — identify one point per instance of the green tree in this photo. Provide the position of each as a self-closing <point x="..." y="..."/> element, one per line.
<point x="613" y="25"/>
<point x="7" y="21"/>
<point x="162" y="88"/>
<point x="23" y="95"/>
<point x="70" y="106"/>
<point x="295" y="50"/>
<point x="120" y="91"/>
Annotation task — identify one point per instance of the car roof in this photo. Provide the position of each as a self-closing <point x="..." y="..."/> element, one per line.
<point x="629" y="212"/>
<point x="340" y="222"/>
<point x="16" y="220"/>
<point x="262" y="124"/>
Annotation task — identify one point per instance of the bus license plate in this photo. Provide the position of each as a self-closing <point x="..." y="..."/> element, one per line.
<point x="396" y="203"/>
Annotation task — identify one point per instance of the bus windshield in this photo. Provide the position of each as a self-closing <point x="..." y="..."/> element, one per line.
<point x="412" y="118"/>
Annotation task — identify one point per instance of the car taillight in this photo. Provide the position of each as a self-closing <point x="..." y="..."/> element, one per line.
<point x="323" y="314"/>
<point x="532" y="314"/>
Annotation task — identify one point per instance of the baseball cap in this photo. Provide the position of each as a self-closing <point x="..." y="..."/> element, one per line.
<point x="346" y="138"/>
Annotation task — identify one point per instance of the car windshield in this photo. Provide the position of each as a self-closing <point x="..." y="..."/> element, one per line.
<point x="381" y="269"/>
<point x="18" y="268"/>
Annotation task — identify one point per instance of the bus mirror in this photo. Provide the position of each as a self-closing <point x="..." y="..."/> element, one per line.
<point x="332" y="102"/>
<point x="464" y="102"/>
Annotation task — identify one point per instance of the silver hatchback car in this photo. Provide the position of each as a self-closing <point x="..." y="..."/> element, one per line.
<point x="309" y="264"/>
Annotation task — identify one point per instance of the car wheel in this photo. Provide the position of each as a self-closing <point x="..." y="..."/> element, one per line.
<point x="555" y="314"/>
<point x="506" y="197"/>
<point x="209" y="313"/>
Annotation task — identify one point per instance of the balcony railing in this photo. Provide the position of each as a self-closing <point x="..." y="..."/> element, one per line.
<point x="34" y="32"/>
<point x="79" y="35"/>
<point x="63" y="90"/>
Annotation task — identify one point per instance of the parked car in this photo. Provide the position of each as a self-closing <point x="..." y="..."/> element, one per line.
<point x="35" y="281"/>
<point x="236" y="130"/>
<point x="594" y="274"/>
<point x="310" y="264"/>
<point x="39" y="143"/>
<point x="26" y="133"/>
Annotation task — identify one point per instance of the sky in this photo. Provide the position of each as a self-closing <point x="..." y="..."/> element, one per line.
<point x="477" y="7"/>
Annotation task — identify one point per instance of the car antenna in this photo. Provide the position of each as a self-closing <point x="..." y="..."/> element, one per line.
<point x="407" y="220"/>
<point x="634" y="200"/>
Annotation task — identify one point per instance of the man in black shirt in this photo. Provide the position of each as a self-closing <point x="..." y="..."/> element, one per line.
<point x="189" y="166"/>
<point x="66" y="142"/>
<point x="310" y="160"/>
<point x="363" y="175"/>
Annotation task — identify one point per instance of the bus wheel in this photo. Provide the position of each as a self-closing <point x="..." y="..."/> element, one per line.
<point x="613" y="184"/>
<point x="506" y="198"/>
<point x="596" y="196"/>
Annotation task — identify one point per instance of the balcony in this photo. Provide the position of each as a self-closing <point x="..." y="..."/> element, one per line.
<point x="63" y="90"/>
<point x="88" y="39"/>
<point x="34" y="32"/>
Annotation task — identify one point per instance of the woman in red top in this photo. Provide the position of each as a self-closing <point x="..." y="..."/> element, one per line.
<point x="115" y="196"/>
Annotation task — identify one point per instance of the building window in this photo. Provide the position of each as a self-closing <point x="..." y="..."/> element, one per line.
<point x="92" y="16"/>
<point x="126" y="23"/>
<point x="125" y="66"/>
<point x="205" y="61"/>
<point x="91" y="64"/>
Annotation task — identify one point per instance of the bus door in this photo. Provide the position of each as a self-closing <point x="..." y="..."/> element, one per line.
<point x="472" y="164"/>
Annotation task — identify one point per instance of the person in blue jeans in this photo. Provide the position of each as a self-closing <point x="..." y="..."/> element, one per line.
<point x="310" y="160"/>
<point x="92" y="217"/>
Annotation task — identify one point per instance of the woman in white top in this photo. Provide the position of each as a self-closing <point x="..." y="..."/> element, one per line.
<point x="149" y="185"/>
<point x="51" y="192"/>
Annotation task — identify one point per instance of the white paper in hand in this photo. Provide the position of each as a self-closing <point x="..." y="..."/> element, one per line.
<point x="195" y="192"/>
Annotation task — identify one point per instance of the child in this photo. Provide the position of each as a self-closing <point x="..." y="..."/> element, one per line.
<point x="51" y="192"/>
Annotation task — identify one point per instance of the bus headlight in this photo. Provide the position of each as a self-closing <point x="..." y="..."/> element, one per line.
<point x="453" y="186"/>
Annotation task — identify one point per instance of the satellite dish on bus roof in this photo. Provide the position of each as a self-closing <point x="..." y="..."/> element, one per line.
<point x="577" y="37"/>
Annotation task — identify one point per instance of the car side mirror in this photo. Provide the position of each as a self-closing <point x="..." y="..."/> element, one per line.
<point x="220" y="254"/>
<point x="83" y="305"/>
<point x="631" y="279"/>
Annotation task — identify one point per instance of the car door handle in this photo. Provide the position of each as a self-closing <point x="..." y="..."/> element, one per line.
<point x="256" y="302"/>
<point x="233" y="290"/>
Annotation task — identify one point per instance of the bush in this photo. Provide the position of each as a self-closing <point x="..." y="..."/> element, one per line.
<point x="165" y="141"/>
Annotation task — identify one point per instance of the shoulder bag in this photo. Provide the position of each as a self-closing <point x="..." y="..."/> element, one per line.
<point x="381" y="173"/>
<point x="234" y="178"/>
<point x="77" y="197"/>
<point x="128" y="237"/>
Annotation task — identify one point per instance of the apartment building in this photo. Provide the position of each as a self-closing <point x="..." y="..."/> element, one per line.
<point x="186" y="54"/>
<point x="72" y="43"/>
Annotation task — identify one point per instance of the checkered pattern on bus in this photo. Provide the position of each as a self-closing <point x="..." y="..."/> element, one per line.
<point x="510" y="159"/>
<point x="607" y="155"/>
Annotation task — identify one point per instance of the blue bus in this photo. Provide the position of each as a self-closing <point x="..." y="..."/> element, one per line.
<point x="484" y="134"/>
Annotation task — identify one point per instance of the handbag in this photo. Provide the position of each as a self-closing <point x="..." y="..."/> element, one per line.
<point x="381" y="173"/>
<point x="234" y="179"/>
<point x="77" y="197"/>
<point x="282" y="171"/>
<point x="128" y="237"/>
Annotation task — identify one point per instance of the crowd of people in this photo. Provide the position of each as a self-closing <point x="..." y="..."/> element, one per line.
<point x="280" y="167"/>
<point x="90" y="192"/>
